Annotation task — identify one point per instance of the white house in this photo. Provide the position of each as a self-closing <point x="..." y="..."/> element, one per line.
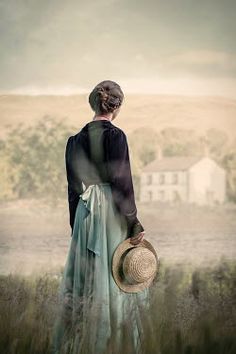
<point x="197" y="180"/>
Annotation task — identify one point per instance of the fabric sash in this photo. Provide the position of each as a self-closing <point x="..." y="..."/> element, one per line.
<point x="92" y="199"/>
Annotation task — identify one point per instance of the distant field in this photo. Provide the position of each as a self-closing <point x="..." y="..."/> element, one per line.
<point x="34" y="235"/>
<point x="158" y="111"/>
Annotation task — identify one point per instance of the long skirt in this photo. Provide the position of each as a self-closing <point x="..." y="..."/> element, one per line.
<point x="94" y="316"/>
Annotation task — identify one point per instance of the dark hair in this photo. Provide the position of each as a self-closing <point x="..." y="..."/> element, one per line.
<point x="106" y="97"/>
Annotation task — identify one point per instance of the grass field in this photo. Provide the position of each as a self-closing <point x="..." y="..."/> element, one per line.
<point x="192" y="303"/>
<point x="191" y="311"/>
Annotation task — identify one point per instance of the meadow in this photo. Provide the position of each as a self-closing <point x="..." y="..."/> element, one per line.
<point x="191" y="311"/>
<point x="192" y="307"/>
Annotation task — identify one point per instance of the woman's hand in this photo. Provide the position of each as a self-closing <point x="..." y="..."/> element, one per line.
<point x="135" y="240"/>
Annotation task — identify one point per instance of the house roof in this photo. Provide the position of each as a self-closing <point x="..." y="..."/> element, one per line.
<point x="173" y="163"/>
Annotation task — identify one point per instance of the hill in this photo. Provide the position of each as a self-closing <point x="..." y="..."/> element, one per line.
<point x="158" y="111"/>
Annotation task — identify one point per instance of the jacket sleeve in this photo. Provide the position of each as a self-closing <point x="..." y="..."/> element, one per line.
<point x="74" y="185"/>
<point x="121" y="180"/>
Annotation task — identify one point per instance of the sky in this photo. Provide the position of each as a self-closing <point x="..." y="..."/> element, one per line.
<point x="152" y="46"/>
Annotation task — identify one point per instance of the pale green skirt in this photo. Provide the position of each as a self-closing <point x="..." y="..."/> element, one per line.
<point x="94" y="315"/>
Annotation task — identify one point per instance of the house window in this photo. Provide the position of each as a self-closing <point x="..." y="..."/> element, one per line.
<point x="161" y="195"/>
<point x="162" y="178"/>
<point x="149" y="179"/>
<point x="175" y="178"/>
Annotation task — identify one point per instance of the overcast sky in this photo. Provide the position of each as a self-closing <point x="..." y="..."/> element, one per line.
<point x="168" y="46"/>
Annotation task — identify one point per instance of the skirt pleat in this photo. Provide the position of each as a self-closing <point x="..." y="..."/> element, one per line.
<point x="94" y="315"/>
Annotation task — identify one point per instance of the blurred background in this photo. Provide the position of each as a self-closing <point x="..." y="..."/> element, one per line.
<point x="176" y="64"/>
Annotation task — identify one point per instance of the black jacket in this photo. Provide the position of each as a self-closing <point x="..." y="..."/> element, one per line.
<point x="99" y="153"/>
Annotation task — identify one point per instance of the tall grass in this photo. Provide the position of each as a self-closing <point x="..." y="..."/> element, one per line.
<point x="191" y="311"/>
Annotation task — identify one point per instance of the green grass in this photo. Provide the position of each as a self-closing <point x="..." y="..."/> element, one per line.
<point x="192" y="312"/>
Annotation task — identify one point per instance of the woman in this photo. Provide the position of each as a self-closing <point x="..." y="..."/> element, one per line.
<point x="103" y="213"/>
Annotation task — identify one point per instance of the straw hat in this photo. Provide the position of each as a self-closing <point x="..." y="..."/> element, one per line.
<point x="134" y="267"/>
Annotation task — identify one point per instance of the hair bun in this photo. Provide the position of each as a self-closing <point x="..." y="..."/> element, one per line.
<point x="106" y="97"/>
<point x="103" y="94"/>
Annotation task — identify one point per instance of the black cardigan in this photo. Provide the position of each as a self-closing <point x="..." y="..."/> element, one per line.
<point x="99" y="153"/>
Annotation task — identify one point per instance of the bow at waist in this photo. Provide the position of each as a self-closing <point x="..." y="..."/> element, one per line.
<point x="92" y="199"/>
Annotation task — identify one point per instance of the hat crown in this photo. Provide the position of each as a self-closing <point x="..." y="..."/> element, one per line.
<point x="134" y="267"/>
<point x="139" y="265"/>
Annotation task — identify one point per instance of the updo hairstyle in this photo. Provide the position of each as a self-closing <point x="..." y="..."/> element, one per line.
<point x="106" y="97"/>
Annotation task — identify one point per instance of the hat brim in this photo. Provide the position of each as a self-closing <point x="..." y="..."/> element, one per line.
<point x="117" y="273"/>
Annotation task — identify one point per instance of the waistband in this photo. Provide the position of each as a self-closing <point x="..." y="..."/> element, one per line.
<point x="95" y="184"/>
